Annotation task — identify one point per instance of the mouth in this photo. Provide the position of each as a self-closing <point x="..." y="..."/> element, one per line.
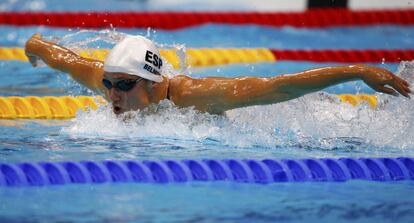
<point x="117" y="110"/>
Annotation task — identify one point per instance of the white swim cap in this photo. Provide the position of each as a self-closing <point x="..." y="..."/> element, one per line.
<point x="135" y="55"/>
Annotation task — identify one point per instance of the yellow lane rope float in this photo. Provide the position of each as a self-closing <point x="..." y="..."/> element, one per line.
<point x="65" y="107"/>
<point x="194" y="57"/>
<point x="355" y="100"/>
<point x="48" y="107"/>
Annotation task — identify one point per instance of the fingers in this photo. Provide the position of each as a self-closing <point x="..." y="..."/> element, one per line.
<point x="407" y="89"/>
<point x="402" y="90"/>
<point x="30" y="49"/>
<point x="32" y="59"/>
<point x="387" y="90"/>
<point x="396" y="85"/>
<point x="401" y="87"/>
<point x="403" y="82"/>
<point x="398" y="88"/>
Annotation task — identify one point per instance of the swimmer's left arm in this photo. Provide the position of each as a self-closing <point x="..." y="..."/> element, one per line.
<point x="216" y="95"/>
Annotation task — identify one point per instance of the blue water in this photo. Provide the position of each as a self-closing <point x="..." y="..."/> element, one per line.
<point x="316" y="125"/>
<point x="215" y="202"/>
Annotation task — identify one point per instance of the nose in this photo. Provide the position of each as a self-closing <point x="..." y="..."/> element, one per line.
<point x="114" y="94"/>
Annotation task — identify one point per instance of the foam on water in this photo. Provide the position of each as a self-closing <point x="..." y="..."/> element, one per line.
<point x="317" y="120"/>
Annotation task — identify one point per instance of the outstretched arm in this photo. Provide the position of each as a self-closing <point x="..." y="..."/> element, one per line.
<point x="87" y="72"/>
<point x="217" y="95"/>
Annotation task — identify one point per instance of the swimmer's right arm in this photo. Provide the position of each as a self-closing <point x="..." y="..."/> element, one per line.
<point x="88" y="72"/>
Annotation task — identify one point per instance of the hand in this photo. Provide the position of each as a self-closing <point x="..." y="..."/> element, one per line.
<point x="385" y="81"/>
<point x="33" y="58"/>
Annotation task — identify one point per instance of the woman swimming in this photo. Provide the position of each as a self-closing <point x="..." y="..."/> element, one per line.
<point x="131" y="78"/>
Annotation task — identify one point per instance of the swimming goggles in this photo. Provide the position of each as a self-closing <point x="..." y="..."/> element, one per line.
<point x="123" y="85"/>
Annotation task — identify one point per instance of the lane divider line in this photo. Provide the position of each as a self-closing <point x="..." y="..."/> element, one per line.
<point x="231" y="170"/>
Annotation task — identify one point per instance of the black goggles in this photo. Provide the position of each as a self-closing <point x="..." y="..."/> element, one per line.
<point x="123" y="85"/>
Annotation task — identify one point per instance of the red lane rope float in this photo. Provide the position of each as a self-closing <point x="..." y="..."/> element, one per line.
<point x="313" y="18"/>
<point x="345" y="56"/>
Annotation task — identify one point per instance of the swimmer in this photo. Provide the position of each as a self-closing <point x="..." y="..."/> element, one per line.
<point x="131" y="79"/>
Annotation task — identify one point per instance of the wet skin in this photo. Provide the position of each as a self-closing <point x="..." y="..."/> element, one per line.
<point x="137" y="98"/>
<point x="122" y="101"/>
<point x="211" y="94"/>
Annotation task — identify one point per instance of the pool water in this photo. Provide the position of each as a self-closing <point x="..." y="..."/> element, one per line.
<point x="211" y="202"/>
<point x="317" y="125"/>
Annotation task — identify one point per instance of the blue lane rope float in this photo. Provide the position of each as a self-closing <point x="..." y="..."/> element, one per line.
<point x="178" y="171"/>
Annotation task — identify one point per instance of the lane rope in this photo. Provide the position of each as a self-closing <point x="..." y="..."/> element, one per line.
<point x="66" y="107"/>
<point x="230" y="170"/>
<point x="313" y="18"/>
<point x="222" y="56"/>
<point x="48" y="107"/>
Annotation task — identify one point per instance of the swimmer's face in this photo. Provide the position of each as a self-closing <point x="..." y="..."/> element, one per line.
<point x="122" y="101"/>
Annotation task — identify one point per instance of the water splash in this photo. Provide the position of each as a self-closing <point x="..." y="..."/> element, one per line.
<point x="317" y="120"/>
<point x="314" y="121"/>
<point x="78" y="41"/>
<point x="162" y="121"/>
